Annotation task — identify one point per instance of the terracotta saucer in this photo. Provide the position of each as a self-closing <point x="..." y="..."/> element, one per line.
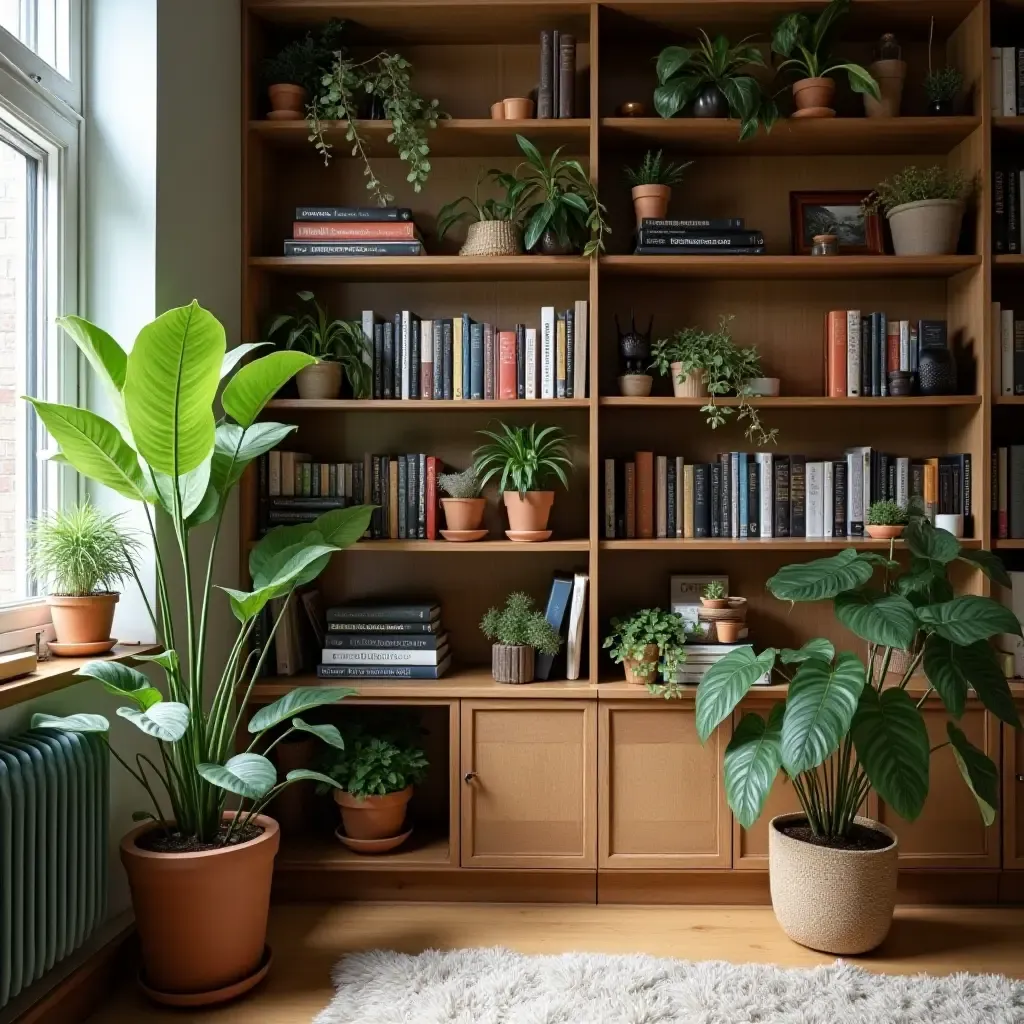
<point x="216" y="996"/>
<point x="814" y="112"/>
<point x="371" y="846"/>
<point x="463" y="536"/>
<point x="528" y="536"/>
<point x="80" y="650"/>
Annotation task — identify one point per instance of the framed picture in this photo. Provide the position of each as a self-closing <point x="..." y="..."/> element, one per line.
<point x="835" y="213"/>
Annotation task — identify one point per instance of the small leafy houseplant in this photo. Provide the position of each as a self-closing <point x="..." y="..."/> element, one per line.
<point x="942" y="87"/>
<point x="517" y="631"/>
<point x="924" y="207"/>
<point x="803" y="44"/>
<point x="464" y="506"/>
<point x="81" y="555"/>
<point x="293" y="73"/>
<point x="886" y="519"/>
<point x="715" y="79"/>
<point x="649" y="637"/>
<point x="652" y="183"/>
<point x="169" y="449"/>
<point x="494" y="222"/>
<point x="713" y="595"/>
<point x="843" y="731"/>
<point x="524" y="460"/>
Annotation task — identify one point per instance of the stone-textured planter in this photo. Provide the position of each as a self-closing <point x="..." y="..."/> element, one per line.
<point x="635" y="385"/>
<point x="690" y="386"/>
<point x="650" y="201"/>
<point x="641" y="672"/>
<point x="512" y="663"/>
<point x="890" y="75"/>
<point x="320" y="381"/>
<point x="287" y="102"/>
<point x="373" y="817"/>
<point x="928" y="227"/>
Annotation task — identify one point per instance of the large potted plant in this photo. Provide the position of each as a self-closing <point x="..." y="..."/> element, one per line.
<point x="844" y="731"/>
<point x="81" y="555"/>
<point x="199" y="872"/>
<point x="524" y="460"/>
<point x="646" y="639"/>
<point x="924" y="207"/>
<point x="517" y="631"/>
<point x="652" y="185"/>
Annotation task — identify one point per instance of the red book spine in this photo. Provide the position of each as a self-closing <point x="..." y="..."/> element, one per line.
<point x="392" y="231"/>
<point x="507" y="366"/>
<point x="836" y="349"/>
<point x="431" y="497"/>
<point x="892" y="346"/>
<point x="644" y="494"/>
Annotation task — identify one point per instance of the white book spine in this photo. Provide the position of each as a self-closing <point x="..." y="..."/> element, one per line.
<point x="382" y="656"/>
<point x="852" y="353"/>
<point x="577" y="611"/>
<point x="406" y="353"/>
<point x="766" y="490"/>
<point x="368" y="319"/>
<point x="680" y="495"/>
<point x="531" y="363"/>
<point x="1006" y="350"/>
<point x="547" y="352"/>
<point x="1009" y="81"/>
<point x="902" y="480"/>
<point x="827" y="500"/>
<point x="734" y="493"/>
<point x="661" y="496"/>
<point x="580" y="346"/>
<point x="905" y="345"/>
<point x="609" y="499"/>
<point x="997" y="81"/>
<point x="815" y="515"/>
<point x="854" y="494"/>
<point x="274" y="474"/>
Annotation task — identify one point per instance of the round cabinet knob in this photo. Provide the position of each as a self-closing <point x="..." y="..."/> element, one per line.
<point x="469" y="777"/>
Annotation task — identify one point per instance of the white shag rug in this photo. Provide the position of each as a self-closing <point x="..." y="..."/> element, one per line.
<point x="497" y="986"/>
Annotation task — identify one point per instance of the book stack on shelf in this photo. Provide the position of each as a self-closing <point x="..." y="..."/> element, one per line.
<point x="1007" y="81"/>
<point x="748" y="495"/>
<point x="1008" y="363"/>
<point x="1008" y="492"/>
<point x="718" y="237"/>
<point x="295" y="489"/>
<point x="1007" y="194"/>
<point x="354" y="231"/>
<point x="556" y="93"/>
<point x="377" y="641"/>
<point x="404" y="490"/>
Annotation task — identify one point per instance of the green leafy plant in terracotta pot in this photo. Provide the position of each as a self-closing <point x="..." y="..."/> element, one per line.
<point x="647" y="639"/>
<point x="845" y="729"/>
<point x="652" y="183"/>
<point x="924" y="207"/>
<point x="293" y="73"/>
<point x="517" y="631"/>
<point x="886" y="520"/>
<point x="464" y="505"/>
<point x="942" y="87"/>
<point x="201" y="861"/>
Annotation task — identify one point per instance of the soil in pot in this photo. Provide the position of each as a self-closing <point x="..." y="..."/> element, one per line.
<point x="464" y="513"/>
<point x="373" y="817"/>
<point x="82" y="620"/>
<point x="528" y="514"/>
<point x="860" y="838"/>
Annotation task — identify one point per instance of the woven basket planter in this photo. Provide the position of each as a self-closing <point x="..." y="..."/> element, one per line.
<point x="691" y="386"/>
<point x="512" y="664"/>
<point x="491" y="238"/>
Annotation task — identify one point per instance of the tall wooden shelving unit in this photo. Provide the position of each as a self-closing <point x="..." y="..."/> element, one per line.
<point x="469" y="54"/>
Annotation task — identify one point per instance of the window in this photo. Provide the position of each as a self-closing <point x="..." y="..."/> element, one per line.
<point x="44" y="26"/>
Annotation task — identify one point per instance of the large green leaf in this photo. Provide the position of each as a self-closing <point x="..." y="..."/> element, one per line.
<point x="820" y="706"/>
<point x="788" y="32"/>
<point x="257" y="382"/>
<point x="726" y="683"/>
<point x="860" y="79"/>
<point x="167" y="660"/>
<point x="235" y="355"/>
<point x="969" y="618"/>
<point x="94" y="447"/>
<point x="980" y="774"/>
<point x="173" y="374"/>
<point x="328" y="733"/>
<point x="676" y="95"/>
<point x="192" y="488"/>
<point x="342" y="527"/>
<point x="951" y="669"/>
<point x="816" y="648"/>
<point x="166" y="721"/>
<point x="891" y="741"/>
<point x="752" y="761"/>
<point x="942" y="665"/>
<point x="123" y="681"/>
<point x="289" y="568"/>
<point x="822" y="578"/>
<point x="235" y="447"/>
<point x="991" y="565"/>
<point x="671" y="60"/>
<point x="248" y="775"/>
<point x="70" y="723"/>
<point x="306" y="775"/>
<point x="879" y="618"/>
<point x="302" y="698"/>
<point x="105" y="355"/>
<point x="925" y="541"/>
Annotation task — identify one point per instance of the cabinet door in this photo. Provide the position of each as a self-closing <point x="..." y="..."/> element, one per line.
<point x="1013" y="794"/>
<point x="661" y="798"/>
<point x="529" y="796"/>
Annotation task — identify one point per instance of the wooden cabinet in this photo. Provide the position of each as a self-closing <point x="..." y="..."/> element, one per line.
<point x="1013" y="795"/>
<point x="662" y="801"/>
<point x="529" y="793"/>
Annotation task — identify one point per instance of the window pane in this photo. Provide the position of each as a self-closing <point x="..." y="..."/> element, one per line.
<point x="44" y="26"/>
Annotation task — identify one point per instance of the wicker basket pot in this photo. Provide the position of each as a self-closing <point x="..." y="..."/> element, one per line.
<point x="491" y="238"/>
<point x="512" y="664"/>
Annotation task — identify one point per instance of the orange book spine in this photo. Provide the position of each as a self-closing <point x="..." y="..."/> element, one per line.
<point x="630" y="499"/>
<point x="506" y="365"/>
<point x="836" y="353"/>
<point x="892" y="346"/>
<point x="645" y="494"/>
<point x="393" y="231"/>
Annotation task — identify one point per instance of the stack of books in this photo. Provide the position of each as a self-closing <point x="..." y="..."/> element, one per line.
<point x="457" y="358"/>
<point x="700" y="657"/>
<point x="1007" y="195"/>
<point x="295" y="489"/>
<point x="1008" y="366"/>
<point x="1008" y="492"/>
<point x="719" y="237"/>
<point x="1007" y="81"/>
<point x="354" y="231"/>
<point x="556" y="93"/>
<point x="378" y="641"/>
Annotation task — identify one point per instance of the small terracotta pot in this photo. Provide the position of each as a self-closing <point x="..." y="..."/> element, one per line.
<point x="287" y="102"/>
<point x="320" y="381"/>
<point x="498" y="111"/>
<point x="814" y="92"/>
<point x="889" y="74"/>
<point x="464" y="513"/>
<point x="82" y="620"/>
<point x="635" y="385"/>
<point x="884" y="532"/>
<point x="690" y="386"/>
<point x="512" y="663"/>
<point x="650" y="201"/>
<point x="728" y="632"/>
<point x="201" y="917"/>
<point x="529" y="514"/>
<point x="715" y="602"/>
<point x="640" y="672"/>
<point x="293" y="807"/>
<point x="518" y="108"/>
<point x="373" y="817"/>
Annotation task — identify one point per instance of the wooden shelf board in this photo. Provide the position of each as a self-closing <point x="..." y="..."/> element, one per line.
<point x="425" y="848"/>
<point x="1009" y="261"/>
<point x="1009" y="124"/>
<point x="1008" y="400"/>
<point x="1008" y="544"/>
<point x="428" y="268"/>
<point x="755" y="544"/>
<point x="421" y="405"/>
<point x="859" y="136"/>
<point x="490" y="546"/>
<point x="793" y="402"/>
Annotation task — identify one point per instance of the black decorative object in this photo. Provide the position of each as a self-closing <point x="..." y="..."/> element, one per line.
<point x="710" y="103"/>
<point x="940" y="108"/>
<point x="901" y="383"/>
<point x="936" y="372"/>
<point x="549" y="245"/>
<point x="634" y="345"/>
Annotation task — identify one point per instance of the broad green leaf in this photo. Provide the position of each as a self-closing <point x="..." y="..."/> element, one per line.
<point x="752" y="761"/>
<point x="342" y="527"/>
<point x="671" y="60"/>
<point x="891" y="741"/>
<point x="820" y="705"/>
<point x="70" y="723"/>
<point x="173" y="374"/>
<point x="951" y="669"/>
<point x="788" y="31"/>
<point x="925" y="541"/>
<point x="192" y="488"/>
<point x="879" y="561"/>
<point x="942" y="666"/>
<point x="860" y="79"/>
<point x="123" y="681"/>
<point x="248" y="775"/>
<point x="328" y="733"/>
<point x="290" y="566"/>
<point x="235" y="447"/>
<point x="166" y="721"/>
<point x="246" y="604"/>
<point x="726" y="683"/>
<point x="980" y="774"/>
<point x="235" y="355"/>
<point x="94" y="447"/>
<point x="530" y="151"/>
<point x="969" y="618"/>
<point x="816" y="648"/>
<point x="886" y="619"/>
<point x="302" y="698"/>
<point x="105" y="355"/>
<point x="167" y="660"/>
<point x="305" y="774"/>
<point x="676" y="95"/>
<point x="257" y="382"/>
<point x="822" y="578"/>
<point x="991" y="565"/>
<point x="208" y="507"/>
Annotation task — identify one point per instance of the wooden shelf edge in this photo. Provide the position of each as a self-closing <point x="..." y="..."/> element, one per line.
<point x="783" y="267"/>
<point x="796" y="402"/>
<point x="756" y="544"/>
<point x="422" y="404"/>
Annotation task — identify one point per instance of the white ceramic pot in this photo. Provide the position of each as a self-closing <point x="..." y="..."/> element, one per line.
<point x="764" y="387"/>
<point x="951" y="522"/>
<point x="928" y="227"/>
<point x="690" y="386"/>
<point x="319" y="381"/>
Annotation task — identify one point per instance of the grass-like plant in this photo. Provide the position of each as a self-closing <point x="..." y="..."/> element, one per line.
<point x="523" y="458"/>
<point x="520" y="624"/>
<point x="943" y="85"/>
<point x="713" y="591"/>
<point x="460" y="485"/>
<point x="653" y="170"/>
<point x="913" y="184"/>
<point x="629" y="638"/>
<point x="79" y="551"/>
<point x="374" y="765"/>
<point x="887" y="513"/>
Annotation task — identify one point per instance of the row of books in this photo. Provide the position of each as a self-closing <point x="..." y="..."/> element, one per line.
<point x="458" y="358"/>
<point x="556" y="92"/>
<point x="1007" y="200"/>
<point x="1008" y="366"/>
<point x="1007" y="81"/>
<point x="862" y="349"/>
<point x="354" y="231"/>
<point x="1008" y="492"/>
<point x="765" y="494"/>
<point x="1010" y="643"/>
<point x="722" y="237"/>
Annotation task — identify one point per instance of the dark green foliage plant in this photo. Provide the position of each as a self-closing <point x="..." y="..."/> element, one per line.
<point x="507" y="206"/>
<point x="520" y="624"/>
<point x="301" y="61"/>
<point x="523" y="458"/>
<point x="913" y="184"/>
<point x="630" y="636"/>
<point x="373" y="765"/>
<point x="943" y="85"/>
<point x="887" y="513"/>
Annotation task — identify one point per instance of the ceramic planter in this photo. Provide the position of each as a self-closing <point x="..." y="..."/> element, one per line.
<point x="82" y="620"/>
<point x="491" y="238"/>
<point x="884" y="532"/>
<point x="715" y="602"/>
<point x="941" y="108"/>
<point x="890" y="75"/>
<point x="837" y="901"/>
<point x="373" y="817"/>
<point x="710" y="103"/>
<point x="549" y="245"/>
<point x="287" y="102"/>
<point x="813" y="97"/>
<point x="928" y="227"/>
<point x="320" y="381"/>
<point x="635" y="385"/>
<point x="689" y="386"/>
<point x="728" y="632"/>
<point x="518" y="108"/>
<point x="528" y="514"/>
<point x="640" y="671"/>
<point x="650" y="201"/>
<point x="201" y="917"/>
<point x="512" y="663"/>
<point x="498" y="111"/>
<point x="464" y="513"/>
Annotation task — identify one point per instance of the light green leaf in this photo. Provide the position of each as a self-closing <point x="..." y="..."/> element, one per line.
<point x="302" y="698"/>
<point x="752" y="761"/>
<point x="166" y="721"/>
<point x="817" y="648"/>
<point x="822" y="578"/>
<point x="251" y="776"/>
<point x="235" y="355"/>
<point x="328" y="733"/>
<point x="70" y="723"/>
<point x="167" y="660"/>
<point x="105" y="355"/>
<point x="235" y="447"/>
<point x="122" y="681"/>
<point x="980" y="774"/>
<point x="969" y="618"/>
<point x="991" y="565"/>
<point x="305" y="774"/>
<point x="192" y="488"/>
<point x="257" y="382"/>
<point x="886" y="619"/>
<point x="726" y="683"/>
<point x="246" y="604"/>
<point x="290" y="568"/>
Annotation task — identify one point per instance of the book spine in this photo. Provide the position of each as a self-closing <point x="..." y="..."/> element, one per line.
<point x="531" y="363"/>
<point x="661" y="496"/>
<point x="393" y="504"/>
<point x="797" y="496"/>
<point x="566" y="75"/>
<point x="1009" y="68"/>
<point x="379" y="642"/>
<point x="560" y="355"/>
<point x="437" y="345"/>
<point x="689" y="501"/>
<point x="1006" y="346"/>
<point x="555" y="71"/>
<point x="1015" y="497"/>
<point x="1003" y="503"/>
<point x="372" y="214"/>
<point x="547" y="352"/>
<point x="835" y="352"/>
<point x="403" y="499"/>
<point x="671" y="490"/>
<point x="448" y="354"/>
<point x="386" y="656"/>
<point x="766" y="488"/>
<point x="545" y="90"/>
<point x="629" y="488"/>
<point x="715" y="499"/>
<point x="489" y="362"/>
<point x="700" y="239"/>
<point x="557" y="614"/>
<point x="644" y="494"/>
<point x="570" y="352"/>
<point x="476" y="361"/>
<point x="415" y="359"/>
<point x="1018" y="357"/>
<point x="883" y="355"/>
<point x="815" y="509"/>
<point x="1012" y="212"/>
<point x="892" y="348"/>
<point x="753" y="497"/>
<point x="581" y="334"/>
<point x="432" y="497"/>
<point x="421" y="495"/>
<point x="406" y="322"/>
<point x="506" y="365"/>
<point x="609" y="499"/>
<point x="457" y="392"/>
<point x="702" y="500"/>
<point x="839" y="488"/>
<point x="388" y="361"/>
<point x="865" y="355"/>
<point x="904" y="342"/>
<point x="378" y="360"/>
<point x="382" y="627"/>
<point x="383" y="613"/>
<point x="352" y="248"/>
<point x="393" y="231"/>
<point x="713" y="224"/>
<point x="396" y="384"/>
<point x="427" y="359"/>
<point x="996" y="80"/>
<point x="273" y="474"/>
<point x="725" y="464"/>
<point x="520" y="361"/>
<point x="742" y="503"/>
<point x="408" y="497"/>
<point x="853" y="353"/>
<point x="780" y="511"/>
<point x="382" y="671"/>
<point x="692" y="249"/>
<point x="854" y="495"/>
<point x="966" y="503"/>
<point x="467" y="365"/>
<point x="999" y="227"/>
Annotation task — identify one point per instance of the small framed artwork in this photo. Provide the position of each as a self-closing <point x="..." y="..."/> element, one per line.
<point x="835" y="213"/>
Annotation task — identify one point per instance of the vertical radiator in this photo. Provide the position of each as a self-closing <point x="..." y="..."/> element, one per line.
<point x="54" y="811"/>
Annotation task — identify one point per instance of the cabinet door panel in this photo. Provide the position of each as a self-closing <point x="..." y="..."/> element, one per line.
<point x="1013" y="794"/>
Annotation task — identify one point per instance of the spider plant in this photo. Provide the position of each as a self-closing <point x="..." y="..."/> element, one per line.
<point x="523" y="458"/>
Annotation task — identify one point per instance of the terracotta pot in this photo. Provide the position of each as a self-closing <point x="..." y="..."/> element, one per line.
<point x="498" y="111"/>
<point x="491" y="238"/>
<point x="531" y="513"/>
<point x="728" y="632"/>
<point x="814" y="92"/>
<point x="82" y="620"/>
<point x="287" y="102"/>
<point x="690" y="386"/>
<point x="320" y="381"/>
<point x="715" y="602"/>
<point x="641" y="671"/>
<point x="928" y="227"/>
<point x="512" y="663"/>
<point x="635" y="385"/>
<point x="464" y="513"/>
<point x="838" y="901"/>
<point x="201" y="917"/>
<point x="293" y="807"/>
<point x="884" y="532"/>
<point x="890" y="75"/>
<point x="373" y="817"/>
<point x="650" y="201"/>
<point x="518" y="108"/>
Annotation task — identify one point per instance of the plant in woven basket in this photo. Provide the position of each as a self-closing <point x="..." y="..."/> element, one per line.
<point x="887" y="513"/>
<point x="914" y="184"/>
<point x="629" y="639"/>
<point x="505" y="209"/>
<point x="520" y="624"/>
<point x="653" y="170"/>
<point x="460" y="485"/>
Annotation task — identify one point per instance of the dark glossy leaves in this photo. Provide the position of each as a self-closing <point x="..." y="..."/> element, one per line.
<point x="726" y="683"/>
<point x="822" y="578"/>
<point x="969" y="618"/>
<point x="816" y="648"/>
<point x="885" y="619"/>
<point x="991" y="565"/>
<point x="752" y="761"/>
<point x="979" y="772"/>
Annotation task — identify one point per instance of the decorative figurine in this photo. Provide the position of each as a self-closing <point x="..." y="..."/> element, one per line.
<point x="635" y="355"/>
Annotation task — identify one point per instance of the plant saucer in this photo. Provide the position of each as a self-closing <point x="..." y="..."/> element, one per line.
<point x="371" y="846"/>
<point x="463" y="536"/>
<point x="214" y="997"/>
<point x="80" y="650"/>
<point x="528" y="536"/>
<point x="814" y="112"/>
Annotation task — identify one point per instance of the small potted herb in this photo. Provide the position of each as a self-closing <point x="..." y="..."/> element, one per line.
<point x="648" y="637"/>
<point x="942" y="88"/>
<point x="524" y="460"/>
<point x="464" y="507"/>
<point x="713" y="595"/>
<point x="494" y="228"/>
<point x="886" y="520"/>
<point x="517" y="632"/>
<point x="652" y="185"/>
<point x="924" y="207"/>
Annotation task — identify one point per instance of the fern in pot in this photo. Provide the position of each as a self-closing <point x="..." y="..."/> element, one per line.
<point x="293" y="73"/>
<point x="464" y="505"/>
<point x="652" y="183"/>
<point x="517" y="631"/>
<point x="924" y="207"/>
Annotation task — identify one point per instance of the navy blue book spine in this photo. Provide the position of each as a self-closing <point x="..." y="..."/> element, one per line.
<point x="557" y="614"/>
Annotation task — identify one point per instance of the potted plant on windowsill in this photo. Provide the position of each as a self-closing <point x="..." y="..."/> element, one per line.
<point x="199" y="873"/>
<point x="494" y="223"/>
<point x="464" y="506"/>
<point x="886" y="520"/>
<point x="924" y="207"/>
<point x="80" y="555"/>
<point x="649" y="637"/>
<point x="523" y="460"/>
<point x="652" y="185"/>
<point x="517" y="632"/>
<point x="840" y="733"/>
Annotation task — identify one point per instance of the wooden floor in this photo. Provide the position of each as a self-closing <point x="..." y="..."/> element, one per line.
<point x="308" y="939"/>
